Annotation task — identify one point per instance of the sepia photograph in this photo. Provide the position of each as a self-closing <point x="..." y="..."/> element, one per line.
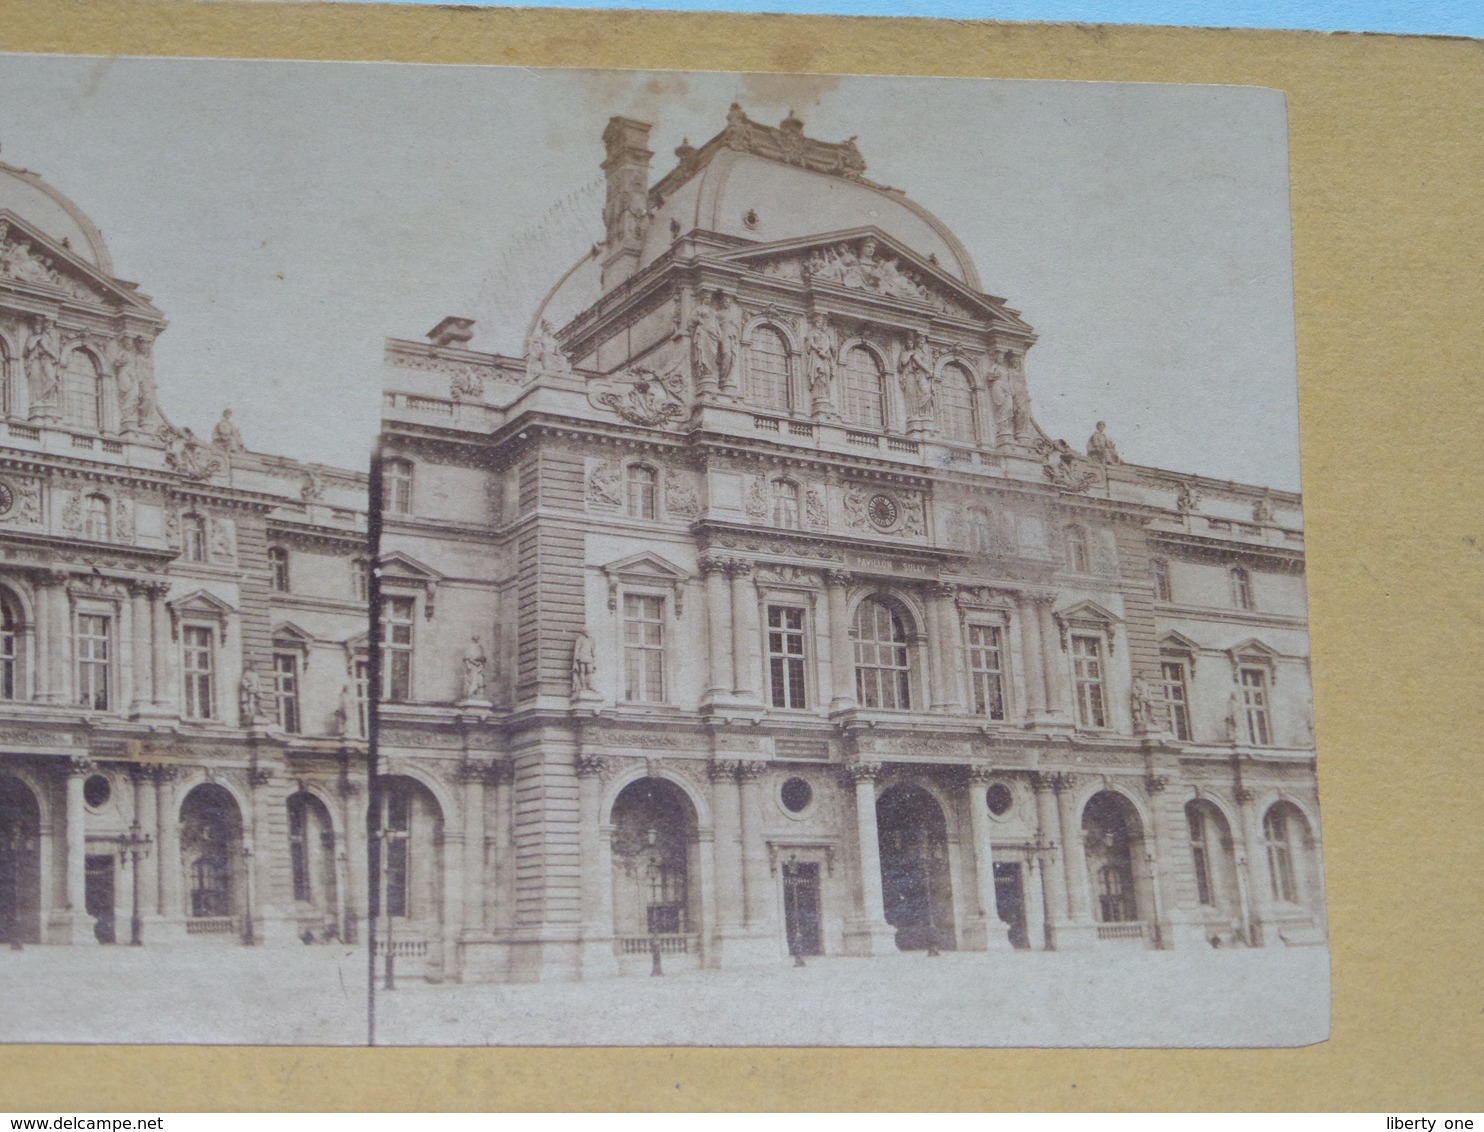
<point x="837" y="573"/>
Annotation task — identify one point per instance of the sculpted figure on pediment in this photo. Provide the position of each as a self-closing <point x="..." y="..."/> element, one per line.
<point x="19" y="262"/>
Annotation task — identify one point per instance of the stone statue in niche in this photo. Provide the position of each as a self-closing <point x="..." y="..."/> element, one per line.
<point x="545" y="355"/>
<point x="43" y="355"/>
<point x="584" y="665"/>
<point x="120" y="362"/>
<point x="1100" y="446"/>
<point x="1233" y="716"/>
<point x="705" y="345"/>
<point x="226" y="435"/>
<point x="729" y="321"/>
<point x="250" y="696"/>
<point x="915" y="372"/>
<point x="144" y="396"/>
<point x="1141" y="701"/>
<point x="820" y="351"/>
<point x="348" y="713"/>
<point x="474" y="670"/>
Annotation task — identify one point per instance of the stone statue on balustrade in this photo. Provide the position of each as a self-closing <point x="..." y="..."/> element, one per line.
<point x="1100" y="446"/>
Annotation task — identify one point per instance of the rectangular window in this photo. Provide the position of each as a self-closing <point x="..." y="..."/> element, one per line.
<point x="1161" y="580"/>
<point x="278" y="568"/>
<point x="286" y="681"/>
<point x="94" y="632"/>
<point x="1087" y="671"/>
<point x="644" y="648"/>
<point x="1255" y="704"/>
<point x="396" y="650"/>
<point x="1177" y="697"/>
<point x="196" y="650"/>
<point x="987" y="670"/>
<point x="360" y="579"/>
<point x="10" y="669"/>
<point x="786" y="655"/>
<point x="1199" y="852"/>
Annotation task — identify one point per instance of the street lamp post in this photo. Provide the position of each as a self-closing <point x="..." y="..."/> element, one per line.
<point x="133" y="848"/>
<point x="248" y="929"/>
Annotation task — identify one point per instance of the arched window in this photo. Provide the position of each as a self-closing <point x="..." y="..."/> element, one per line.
<point x="96" y="521"/>
<point x="80" y="390"/>
<point x="193" y="537"/>
<point x="643" y="484"/>
<point x="786" y="504"/>
<point x="1077" y="557"/>
<point x="767" y="370"/>
<point x="1242" y="588"/>
<point x="396" y="487"/>
<point x="864" y="399"/>
<point x="12" y="680"/>
<point x="883" y="670"/>
<point x="956" y="405"/>
<point x="278" y="568"/>
<point x="1277" y="835"/>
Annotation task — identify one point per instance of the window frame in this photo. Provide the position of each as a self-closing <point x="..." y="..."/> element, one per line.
<point x="853" y="395"/>
<point x="785" y="661"/>
<point x="1243" y="594"/>
<point x="94" y="517"/>
<point x="641" y="495"/>
<point x="195" y="537"/>
<point x="787" y="408"/>
<point x="1257" y="712"/>
<point x="391" y="649"/>
<point x="280" y="579"/>
<point x="1198" y="827"/>
<point x="398" y="476"/>
<point x="1177" y="707"/>
<point x="905" y="691"/>
<point x="15" y="637"/>
<point x="1001" y="675"/>
<point x="1283" y="872"/>
<point x="1163" y="580"/>
<point x="106" y="664"/>
<point x="1099" y="681"/>
<point x="293" y="699"/>
<point x="360" y="578"/>
<point x="791" y="494"/>
<point x="661" y="649"/>
<point x="1078" y="548"/>
<point x="969" y="409"/>
<point x="299" y="864"/>
<point x="197" y="684"/>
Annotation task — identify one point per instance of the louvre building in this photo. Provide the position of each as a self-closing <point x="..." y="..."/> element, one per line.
<point x="183" y="646"/>
<point x="752" y="614"/>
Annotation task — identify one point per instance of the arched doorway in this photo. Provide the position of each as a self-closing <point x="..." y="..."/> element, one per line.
<point x="656" y="879"/>
<point x="916" y="886"/>
<point x="1113" y="841"/>
<point x="211" y="854"/>
<point x="20" y="863"/>
<point x="1213" y="858"/>
<point x="312" y="865"/>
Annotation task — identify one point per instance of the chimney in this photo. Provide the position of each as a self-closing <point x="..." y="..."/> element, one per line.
<point x="625" y="211"/>
<point x="452" y="331"/>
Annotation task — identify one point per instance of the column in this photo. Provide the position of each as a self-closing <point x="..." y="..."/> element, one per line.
<point x="1074" y="861"/>
<point x="266" y="924"/>
<point x="58" y="644"/>
<point x="756" y="887"/>
<point x="501" y="846"/>
<point x="842" y="649"/>
<point x="357" y="870"/>
<point x="167" y="846"/>
<point x="473" y="777"/>
<point x="148" y="821"/>
<point x="726" y="805"/>
<point x="718" y="627"/>
<point x="596" y="869"/>
<point x="949" y="657"/>
<point x="1058" y="694"/>
<point x="870" y="934"/>
<point x="162" y="668"/>
<point x="1053" y="886"/>
<point x="77" y="847"/>
<point x="746" y="659"/>
<point x="996" y="931"/>
<point x="1033" y="662"/>
<point x="141" y="663"/>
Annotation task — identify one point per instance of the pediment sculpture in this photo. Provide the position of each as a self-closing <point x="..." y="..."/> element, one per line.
<point x="861" y="269"/>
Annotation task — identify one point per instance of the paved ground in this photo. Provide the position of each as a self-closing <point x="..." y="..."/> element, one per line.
<point x="318" y="995"/>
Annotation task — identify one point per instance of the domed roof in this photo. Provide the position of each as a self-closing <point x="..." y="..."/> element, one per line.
<point x="34" y="201"/>
<point x="756" y="198"/>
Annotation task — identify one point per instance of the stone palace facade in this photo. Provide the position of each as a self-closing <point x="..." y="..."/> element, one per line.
<point x="183" y="642"/>
<point x="752" y="614"/>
